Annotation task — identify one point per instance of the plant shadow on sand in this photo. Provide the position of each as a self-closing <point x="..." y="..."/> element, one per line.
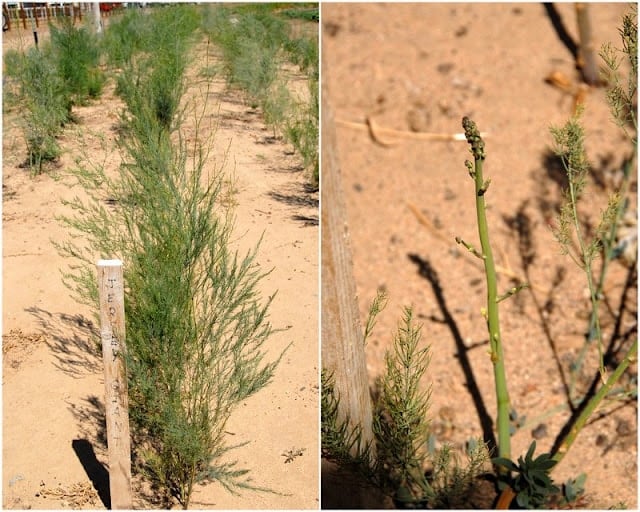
<point x="306" y="198"/>
<point x="426" y="270"/>
<point x="73" y="339"/>
<point x="343" y="489"/>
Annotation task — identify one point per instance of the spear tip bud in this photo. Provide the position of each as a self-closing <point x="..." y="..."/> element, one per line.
<point x="472" y="134"/>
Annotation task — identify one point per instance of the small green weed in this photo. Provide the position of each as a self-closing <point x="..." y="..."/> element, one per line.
<point x="532" y="483"/>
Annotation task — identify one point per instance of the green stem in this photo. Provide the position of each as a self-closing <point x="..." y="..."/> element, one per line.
<point x="593" y="403"/>
<point x="608" y="246"/>
<point x="493" y="319"/>
<point x="587" y="259"/>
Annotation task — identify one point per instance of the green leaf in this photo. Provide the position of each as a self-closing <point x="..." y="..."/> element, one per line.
<point x="501" y="461"/>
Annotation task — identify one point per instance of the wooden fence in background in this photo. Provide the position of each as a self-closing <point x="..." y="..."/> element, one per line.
<point x="23" y="13"/>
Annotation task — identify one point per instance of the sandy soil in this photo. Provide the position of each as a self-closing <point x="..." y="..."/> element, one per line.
<point x="54" y="453"/>
<point x="421" y="68"/>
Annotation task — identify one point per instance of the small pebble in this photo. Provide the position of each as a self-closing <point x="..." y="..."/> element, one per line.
<point x="623" y="428"/>
<point x="447" y="413"/>
<point x="445" y="67"/>
<point x="540" y="431"/>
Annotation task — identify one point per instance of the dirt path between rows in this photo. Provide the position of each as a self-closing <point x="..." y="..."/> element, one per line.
<point x="54" y="451"/>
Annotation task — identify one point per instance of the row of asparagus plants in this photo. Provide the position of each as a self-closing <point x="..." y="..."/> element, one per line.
<point x="256" y="41"/>
<point x="46" y="81"/>
<point x="196" y="322"/>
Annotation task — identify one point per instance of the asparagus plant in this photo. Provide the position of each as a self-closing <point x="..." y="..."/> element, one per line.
<point x="491" y="312"/>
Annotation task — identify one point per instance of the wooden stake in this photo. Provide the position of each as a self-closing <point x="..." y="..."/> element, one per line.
<point x="342" y="334"/>
<point x="587" y="61"/>
<point x="111" y="293"/>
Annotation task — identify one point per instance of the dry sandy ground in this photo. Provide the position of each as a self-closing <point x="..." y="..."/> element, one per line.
<point x="421" y="68"/>
<point x="53" y="445"/>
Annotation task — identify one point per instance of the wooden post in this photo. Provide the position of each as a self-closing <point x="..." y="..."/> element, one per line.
<point x="342" y="334"/>
<point x="587" y="61"/>
<point x="97" y="18"/>
<point x="7" y="15"/>
<point x="111" y="293"/>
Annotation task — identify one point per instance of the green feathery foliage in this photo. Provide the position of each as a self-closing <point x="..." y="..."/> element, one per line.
<point x="401" y="412"/>
<point x="569" y="146"/>
<point x="623" y="98"/>
<point x="51" y="79"/>
<point x="76" y="54"/>
<point x="401" y="430"/>
<point x="47" y="106"/>
<point x="340" y="443"/>
<point x="196" y="323"/>
<point x="255" y="43"/>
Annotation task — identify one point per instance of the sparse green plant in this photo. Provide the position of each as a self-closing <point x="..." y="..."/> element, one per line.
<point x="302" y="11"/>
<point x="276" y="107"/>
<point x="569" y="141"/>
<point x="453" y="481"/>
<point x="229" y="192"/>
<point x="250" y="43"/>
<point x="51" y="79"/>
<point x="158" y="73"/>
<point x="401" y="412"/>
<point x="125" y="37"/>
<point x="569" y="146"/>
<point x="622" y="97"/>
<point x="303" y="132"/>
<point x="12" y="64"/>
<point x="622" y="100"/>
<point x="403" y="466"/>
<point x="303" y="52"/>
